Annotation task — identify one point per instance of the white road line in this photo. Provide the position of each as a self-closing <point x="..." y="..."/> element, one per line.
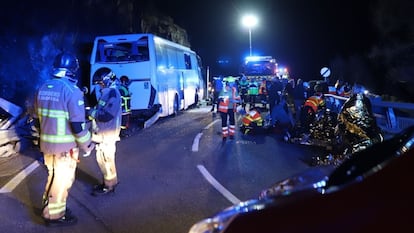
<point x="196" y="142"/>
<point x="197" y="138"/>
<point x="12" y="184"/>
<point x="227" y="194"/>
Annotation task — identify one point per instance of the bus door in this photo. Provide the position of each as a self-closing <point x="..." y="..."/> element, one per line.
<point x="142" y="94"/>
<point x="181" y="83"/>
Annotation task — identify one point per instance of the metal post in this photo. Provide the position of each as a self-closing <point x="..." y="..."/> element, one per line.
<point x="250" y="40"/>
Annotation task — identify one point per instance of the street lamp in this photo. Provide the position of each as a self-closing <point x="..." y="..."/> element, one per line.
<point x="249" y="21"/>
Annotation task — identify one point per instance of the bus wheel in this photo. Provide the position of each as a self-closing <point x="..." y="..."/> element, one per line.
<point x="176" y="106"/>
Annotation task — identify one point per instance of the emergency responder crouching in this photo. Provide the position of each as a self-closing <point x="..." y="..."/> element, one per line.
<point x="252" y="122"/>
<point x="106" y="125"/>
<point x="60" y="117"/>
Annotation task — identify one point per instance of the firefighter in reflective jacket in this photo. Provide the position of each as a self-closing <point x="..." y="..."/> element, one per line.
<point x="310" y="108"/>
<point x="252" y="121"/>
<point x="126" y="104"/>
<point x="106" y="117"/>
<point x="253" y="91"/>
<point x="60" y="115"/>
<point x="243" y="87"/>
<point x="263" y="92"/>
<point x="228" y="99"/>
<point x="314" y="102"/>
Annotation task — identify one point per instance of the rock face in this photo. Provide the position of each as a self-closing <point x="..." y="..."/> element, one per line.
<point x="165" y="27"/>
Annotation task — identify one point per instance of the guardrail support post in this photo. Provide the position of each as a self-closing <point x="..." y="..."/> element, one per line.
<point x="392" y="121"/>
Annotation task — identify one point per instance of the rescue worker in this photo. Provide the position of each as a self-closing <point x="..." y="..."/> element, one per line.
<point x="263" y="86"/>
<point x="252" y="122"/>
<point x="106" y="124"/>
<point x="217" y="87"/>
<point x="60" y="117"/>
<point x="311" y="107"/>
<point x="243" y="87"/>
<point x="228" y="100"/>
<point x="253" y="92"/>
<point x="299" y="98"/>
<point x="273" y="92"/>
<point x="125" y="105"/>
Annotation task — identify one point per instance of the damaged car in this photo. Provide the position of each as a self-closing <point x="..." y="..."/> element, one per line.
<point x="368" y="192"/>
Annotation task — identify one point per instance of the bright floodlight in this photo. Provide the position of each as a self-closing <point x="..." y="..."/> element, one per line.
<point x="249" y="21"/>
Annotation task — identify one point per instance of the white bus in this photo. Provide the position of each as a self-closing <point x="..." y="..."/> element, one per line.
<point x="165" y="77"/>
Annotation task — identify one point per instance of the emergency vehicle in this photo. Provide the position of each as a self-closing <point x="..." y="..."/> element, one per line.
<point x="259" y="67"/>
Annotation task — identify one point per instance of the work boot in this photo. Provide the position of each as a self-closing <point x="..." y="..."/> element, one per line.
<point x="101" y="189"/>
<point x="66" y="220"/>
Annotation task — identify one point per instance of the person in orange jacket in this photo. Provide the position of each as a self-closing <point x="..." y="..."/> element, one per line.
<point x="228" y="99"/>
<point x="252" y="121"/>
<point x="310" y="108"/>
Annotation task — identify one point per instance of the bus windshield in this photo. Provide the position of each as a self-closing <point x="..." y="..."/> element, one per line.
<point x="135" y="51"/>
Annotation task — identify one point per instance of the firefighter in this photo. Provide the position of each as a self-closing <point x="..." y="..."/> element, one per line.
<point x="252" y="122"/>
<point x="310" y="108"/>
<point x="228" y="100"/>
<point x="60" y="117"/>
<point x="243" y="87"/>
<point x="217" y="87"/>
<point x="126" y="104"/>
<point x="253" y="92"/>
<point x="263" y="86"/>
<point x="106" y="120"/>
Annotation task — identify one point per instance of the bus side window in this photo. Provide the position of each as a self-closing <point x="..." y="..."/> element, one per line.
<point x="187" y="60"/>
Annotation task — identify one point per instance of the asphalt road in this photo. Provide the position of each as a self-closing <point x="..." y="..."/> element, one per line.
<point x="172" y="175"/>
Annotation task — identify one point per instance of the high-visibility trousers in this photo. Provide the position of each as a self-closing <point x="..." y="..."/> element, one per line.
<point x="105" y="157"/>
<point x="61" y="175"/>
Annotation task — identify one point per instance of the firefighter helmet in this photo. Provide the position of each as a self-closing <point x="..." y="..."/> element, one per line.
<point x="65" y="65"/>
<point x="124" y="80"/>
<point x="104" y="76"/>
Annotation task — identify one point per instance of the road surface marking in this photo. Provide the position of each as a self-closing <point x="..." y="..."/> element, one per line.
<point x="196" y="142"/>
<point x="197" y="138"/>
<point x="12" y="184"/>
<point x="227" y="194"/>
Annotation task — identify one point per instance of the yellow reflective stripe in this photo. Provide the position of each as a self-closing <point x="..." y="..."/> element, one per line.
<point x="57" y="138"/>
<point x="60" y="116"/>
<point x="53" y="113"/>
<point x="84" y="138"/>
<point x="56" y="208"/>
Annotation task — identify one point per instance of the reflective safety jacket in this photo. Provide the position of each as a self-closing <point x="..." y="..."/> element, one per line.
<point x="229" y="98"/>
<point x="59" y="106"/>
<point x="126" y="99"/>
<point x="107" y="115"/>
<point x="315" y="102"/>
<point x="253" y="116"/>
<point x="253" y="88"/>
<point x="243" y="86"/>
<point x="263" y="88"/>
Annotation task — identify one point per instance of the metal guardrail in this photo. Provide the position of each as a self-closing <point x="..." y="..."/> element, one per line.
<point x="392" y="117"/>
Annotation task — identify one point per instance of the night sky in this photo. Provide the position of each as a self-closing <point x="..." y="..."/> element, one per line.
<point x="302" y="35"/>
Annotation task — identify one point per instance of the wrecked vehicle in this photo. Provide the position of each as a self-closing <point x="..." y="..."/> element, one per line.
<point x="16" y="129"/>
